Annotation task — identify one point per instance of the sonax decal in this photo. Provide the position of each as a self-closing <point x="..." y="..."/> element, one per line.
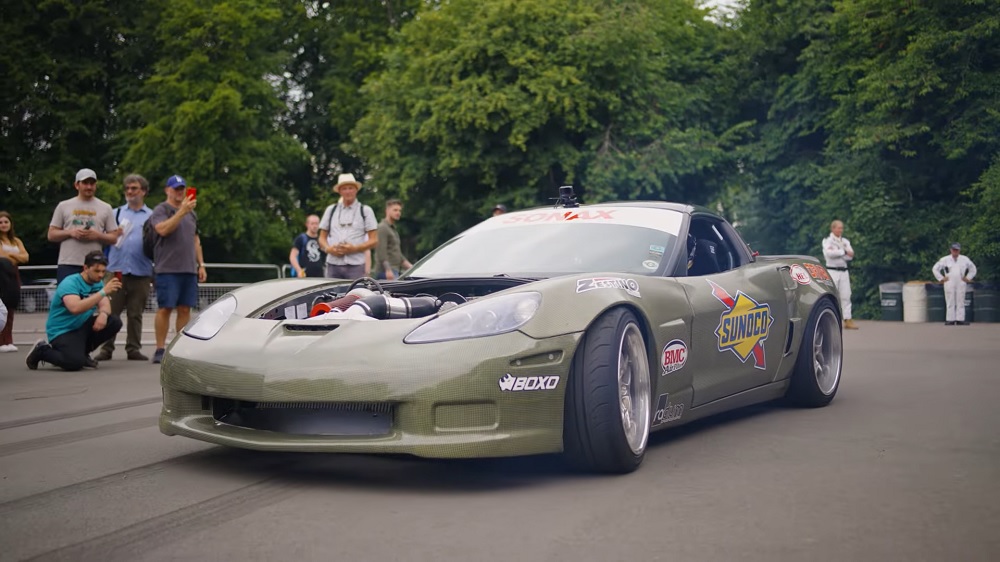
<point x="744" y="326"/>
<point x="675" y="355"/>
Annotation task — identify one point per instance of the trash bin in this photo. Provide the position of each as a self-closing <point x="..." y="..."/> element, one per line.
<point x="935" y="302"/>
<point x="915" y="302"/>
<point x="970" y="312"/>
<point x="891" y="296"/>
<point x="985" y="305"/>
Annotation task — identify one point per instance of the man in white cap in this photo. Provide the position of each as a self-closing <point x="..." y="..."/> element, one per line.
<point x="81" y="225"/>
<point x="347" y="231"/>
<point x="838" y="252"/>
<point x="954" y="270"/>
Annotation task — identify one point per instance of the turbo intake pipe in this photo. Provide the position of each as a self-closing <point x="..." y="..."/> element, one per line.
<point x="384" y="307"/>
<point x="341" y="304"/>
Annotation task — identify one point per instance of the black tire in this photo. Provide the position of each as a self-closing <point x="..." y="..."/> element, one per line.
<point x="594" y="436"/>
<point x="820" y="363"/>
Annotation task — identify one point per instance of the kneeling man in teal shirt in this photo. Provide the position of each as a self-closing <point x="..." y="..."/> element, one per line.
<point x="79" y="318"/>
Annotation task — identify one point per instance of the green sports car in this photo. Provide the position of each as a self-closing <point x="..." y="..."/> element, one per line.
<point x="574" y="329"/>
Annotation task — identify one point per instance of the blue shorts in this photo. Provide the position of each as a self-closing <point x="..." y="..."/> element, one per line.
<point x="176" y="289"/>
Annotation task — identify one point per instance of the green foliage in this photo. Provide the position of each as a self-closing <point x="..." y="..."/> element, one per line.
<point x="211" y="115"/>
<point x="505" y="100"/>
<point x="66" y="66"/>
<point x="791" y="114"/>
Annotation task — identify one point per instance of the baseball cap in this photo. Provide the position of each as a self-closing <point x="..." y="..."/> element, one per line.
<point x="85" y="174"/>
<point x="500" y="206"/>
<point x="956" y="246"/>
<point x="175" y="182"/>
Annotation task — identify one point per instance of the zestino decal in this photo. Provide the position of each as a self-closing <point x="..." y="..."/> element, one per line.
<point x="630" y="286"/>
<point x="744" y="327"/>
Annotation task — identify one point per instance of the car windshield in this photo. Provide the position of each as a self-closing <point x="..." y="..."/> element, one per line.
<point x="541" y="244"/>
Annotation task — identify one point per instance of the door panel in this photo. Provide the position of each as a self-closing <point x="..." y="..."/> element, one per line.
<point x="738" y="330"/>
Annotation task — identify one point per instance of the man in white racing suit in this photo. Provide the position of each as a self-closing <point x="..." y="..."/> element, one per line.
<point x="838" y="251"/>
<point x="954" y="270"/>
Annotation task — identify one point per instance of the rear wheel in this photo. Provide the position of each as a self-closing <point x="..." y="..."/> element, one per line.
<point x="608" y="398"/>
<point x="816" y="377"/>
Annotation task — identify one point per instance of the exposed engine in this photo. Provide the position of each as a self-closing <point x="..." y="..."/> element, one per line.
<point x="367" y="298"/>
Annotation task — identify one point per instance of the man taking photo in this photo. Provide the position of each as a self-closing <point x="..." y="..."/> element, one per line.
<point x="79" y="318"/>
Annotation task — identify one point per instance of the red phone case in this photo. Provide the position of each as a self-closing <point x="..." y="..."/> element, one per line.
<point x="191" y="192"/>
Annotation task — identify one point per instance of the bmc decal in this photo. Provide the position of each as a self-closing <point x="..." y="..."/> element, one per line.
<point x="744" y="326"/>
<point x="630" y="286"/>
<point x="675" y="355"/>
<point x="799" y="274"/>
<point x="665" y="411"/>
<point x="560" y="216"/>
<point x="511" y="383"/>
<point x="818" y="272"/>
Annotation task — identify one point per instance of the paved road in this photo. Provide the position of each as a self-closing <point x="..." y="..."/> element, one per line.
<point x="904" y="465"/>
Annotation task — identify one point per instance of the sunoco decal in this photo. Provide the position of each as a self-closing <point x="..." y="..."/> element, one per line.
<point x="511" y="383"/>
<point x="630" y="286"/>
<point x="744" y="326"/>
<point x="665" y="411"/>
<point x="799" y="274"/>
<point x="675" y="355"/>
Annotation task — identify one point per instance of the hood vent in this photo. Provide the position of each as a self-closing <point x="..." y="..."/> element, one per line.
<point x="310" y="328"/>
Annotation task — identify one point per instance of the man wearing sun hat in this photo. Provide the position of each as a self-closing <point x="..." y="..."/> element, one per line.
<point x="954" y="270"/>
<point x="347" y="231"/>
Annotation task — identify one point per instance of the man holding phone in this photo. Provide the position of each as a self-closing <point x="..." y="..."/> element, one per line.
<point x="79" y="319"/>
<point x="177" y="259"/>
<point x="131" y="267"/>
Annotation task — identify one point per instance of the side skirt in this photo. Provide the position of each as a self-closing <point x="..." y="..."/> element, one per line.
<point x="764" y="393"/>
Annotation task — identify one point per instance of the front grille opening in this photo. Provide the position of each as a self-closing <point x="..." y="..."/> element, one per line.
<point x="307" y="418"/>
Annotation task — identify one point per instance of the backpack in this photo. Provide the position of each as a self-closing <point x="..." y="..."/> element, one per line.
<point x="336" y="205"/>
<point x="150" y="237"/>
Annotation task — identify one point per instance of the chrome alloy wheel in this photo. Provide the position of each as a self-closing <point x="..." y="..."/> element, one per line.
<point x="633" y="388"/>
<point x="827" y="352"/>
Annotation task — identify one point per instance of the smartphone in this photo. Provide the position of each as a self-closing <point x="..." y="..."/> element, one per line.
<point x="118" y="275"/>
<point x="191" y="193"/>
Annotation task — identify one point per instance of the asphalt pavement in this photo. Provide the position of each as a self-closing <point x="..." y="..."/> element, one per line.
<point x="903" y="465"/>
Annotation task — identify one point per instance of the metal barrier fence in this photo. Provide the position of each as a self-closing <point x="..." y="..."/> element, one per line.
<point x="36" y="295"/>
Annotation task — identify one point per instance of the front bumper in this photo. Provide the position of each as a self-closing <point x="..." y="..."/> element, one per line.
<point x="445" y="399"/>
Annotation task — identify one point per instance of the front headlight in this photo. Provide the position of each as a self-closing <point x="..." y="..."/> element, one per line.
<point x="212" y="319"/>
<point x="487" y="317"/>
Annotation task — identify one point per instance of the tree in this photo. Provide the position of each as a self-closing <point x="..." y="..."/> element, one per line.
<point x="69" y="66"/>
<point x="212" y="114"/>
<point x="483" y="101"/>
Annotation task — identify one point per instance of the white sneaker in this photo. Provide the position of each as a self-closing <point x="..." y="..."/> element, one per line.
<point x="9" y="348"/>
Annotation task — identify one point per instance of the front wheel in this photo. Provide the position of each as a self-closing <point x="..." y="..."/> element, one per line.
<point x="608" y="398"/>
<point x="816" y="376"/>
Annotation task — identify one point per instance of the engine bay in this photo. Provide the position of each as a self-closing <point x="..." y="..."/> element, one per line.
<point x="367" y="298"/>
